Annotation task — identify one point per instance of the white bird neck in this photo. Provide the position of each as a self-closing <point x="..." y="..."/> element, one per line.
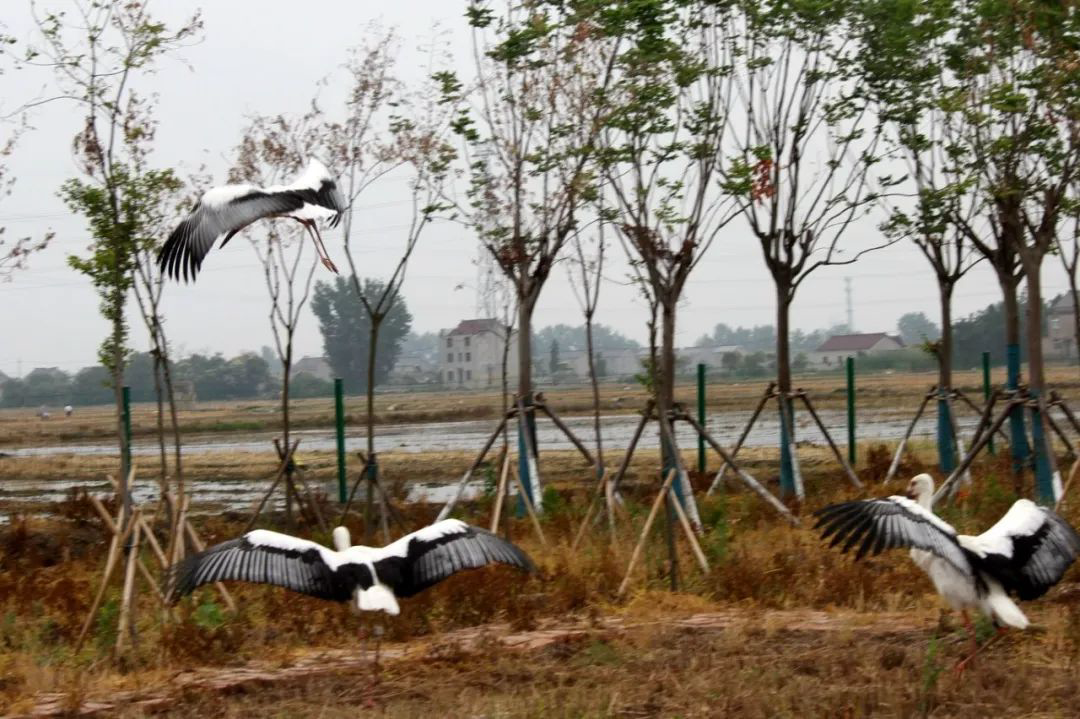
<point x="925" y="499"/>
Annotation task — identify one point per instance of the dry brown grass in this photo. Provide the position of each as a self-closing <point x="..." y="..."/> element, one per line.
<point x="898" y="391"/>
<point x="765" y="667"/>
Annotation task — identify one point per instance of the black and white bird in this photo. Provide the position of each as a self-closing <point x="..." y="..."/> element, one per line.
<point x="226" y="210"/>
<point x="1024" y="554"/>
<point x="375" y="577"/>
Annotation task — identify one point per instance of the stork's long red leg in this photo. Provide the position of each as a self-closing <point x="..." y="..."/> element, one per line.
<point x="963" y="663"/>
<point x="313" y="231"/>
<point x="322" y="248"/>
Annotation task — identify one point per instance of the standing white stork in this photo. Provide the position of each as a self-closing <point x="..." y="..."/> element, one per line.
<point x="226" y="210"/>
<point x="374" y="576"/>
<point x="1025" y="553"/>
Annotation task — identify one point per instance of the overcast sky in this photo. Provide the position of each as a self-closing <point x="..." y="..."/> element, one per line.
<point x="266" y="57"/>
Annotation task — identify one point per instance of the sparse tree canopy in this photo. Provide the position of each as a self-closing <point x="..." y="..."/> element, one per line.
<point x="916" y="328"/>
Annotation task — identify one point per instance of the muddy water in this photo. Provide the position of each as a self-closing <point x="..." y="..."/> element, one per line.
<point x="442" y="436"/>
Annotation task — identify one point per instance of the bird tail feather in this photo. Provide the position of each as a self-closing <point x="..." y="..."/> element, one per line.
<point x="1006" y="611"/>
<point x="378" y="597"/>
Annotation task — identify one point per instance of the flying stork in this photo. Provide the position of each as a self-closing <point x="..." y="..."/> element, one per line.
<point x="1024" y="554"/>
<point x="226" y="210"/>
<point x="375" y="577"/>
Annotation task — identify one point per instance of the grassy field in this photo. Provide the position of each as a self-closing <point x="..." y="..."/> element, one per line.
<point x="21" y="427"/>
<point x="779" y="626"/>
<point x="803" y="630"/>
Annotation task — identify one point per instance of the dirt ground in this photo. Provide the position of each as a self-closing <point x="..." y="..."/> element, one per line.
<point x="636" y="663"/>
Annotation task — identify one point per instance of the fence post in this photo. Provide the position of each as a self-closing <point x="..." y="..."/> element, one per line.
<point x="339" y="421"/>
<point x="851" y="410"/>
<point x="125" y="393"/>
<point x="986" y="391"/>
<point x="701" y="415"/>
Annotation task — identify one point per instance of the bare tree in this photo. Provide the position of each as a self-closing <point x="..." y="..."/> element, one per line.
<point x="388" y="128"/>
<point x="273" y="149"/>
<point x="585" y="276"/>
<point x="537" y="111"/>
<point x="13" y="253"/>
<point x="1017" y="129"/>
<point x="804" y="143"/>
<point x="97" y="55"/>
<point x="662" y="157"/>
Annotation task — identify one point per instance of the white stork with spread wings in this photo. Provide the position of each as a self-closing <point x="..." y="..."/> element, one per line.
<point x="375" y="577"/>
<point x="1025" y="553"/>
<point x="226" y="210"/>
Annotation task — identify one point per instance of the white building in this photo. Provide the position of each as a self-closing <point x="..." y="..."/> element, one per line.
<point x="835" y="350"/>
<point x="470" y="355"/>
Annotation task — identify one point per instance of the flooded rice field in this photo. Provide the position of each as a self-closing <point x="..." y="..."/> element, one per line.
<point x="467" y="436"/>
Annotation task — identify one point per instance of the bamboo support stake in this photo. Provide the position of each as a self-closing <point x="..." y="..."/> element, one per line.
<point x="907" y="435"/>
<point x="449" y="506"/>
<point x="144" y="528"/>
<point x="566" y="430"/>
<point x="957" y="439"/>
<point x="193" y="536"/>
<point x="284" y="464"/>
<point x="625" y="464"/>
<point x="690" y="536"/>
<point x="645" y="530"/>
<point x="601" y="488"/>
<point x="828" y="438"/>
<point x="110" y="566"/>
<point x="769" y="391"/>
<point x="1068" y="484"/>
<point x="500" y="492"/>
<point x="529" y="508"/>
<point x="356" y="485"/>
<point x="946" y="487"/>
<point x="752" y="484"/>
<point x="976" y="409"/>
<point x="126" y="624"/>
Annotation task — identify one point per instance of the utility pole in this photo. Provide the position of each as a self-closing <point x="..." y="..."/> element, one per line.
<point x="850" y="306"/>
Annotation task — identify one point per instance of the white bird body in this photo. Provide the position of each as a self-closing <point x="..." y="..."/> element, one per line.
<point x="372" y="577"/>
<point x="227" y="209"/>
<point x="1025" y="553"/>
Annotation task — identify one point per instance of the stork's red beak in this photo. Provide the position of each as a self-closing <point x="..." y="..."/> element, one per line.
<point x="910" y="494"/>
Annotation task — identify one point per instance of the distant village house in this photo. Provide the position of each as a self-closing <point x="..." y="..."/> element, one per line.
<point x="470" y="355"/>
<point x="834" y="351"/>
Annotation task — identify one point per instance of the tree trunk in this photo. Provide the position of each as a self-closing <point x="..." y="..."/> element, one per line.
<point x="1011" y="308"/>
<point x="595" y="392"/>
<point x="286" y="367"/>
<point x="946" y="441"/>
<point x="1045" y="470"/>
<point x="526" y="302"/>
<point x="118" y="395"/>
<point x="665" y="389"/>
<point x="159" y="398"/>
<point x="788" y="484"/>
<point x="1076" y="311"/>
<point x="373" y="344"/>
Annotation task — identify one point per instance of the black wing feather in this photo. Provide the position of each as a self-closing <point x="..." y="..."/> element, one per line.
<point x="302" y="571"/>
<point x="183" y="253"/>
<point x="887" y="523"/>
<point x="429" y="562"/>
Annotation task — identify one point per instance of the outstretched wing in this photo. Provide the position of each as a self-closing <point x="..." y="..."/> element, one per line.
<point x="428" y="556"/>
<point x="1028" y="550"/>
<point x="266" y="557"/>
<point x="890" y="523"/>
<point x="222" y="211"/>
